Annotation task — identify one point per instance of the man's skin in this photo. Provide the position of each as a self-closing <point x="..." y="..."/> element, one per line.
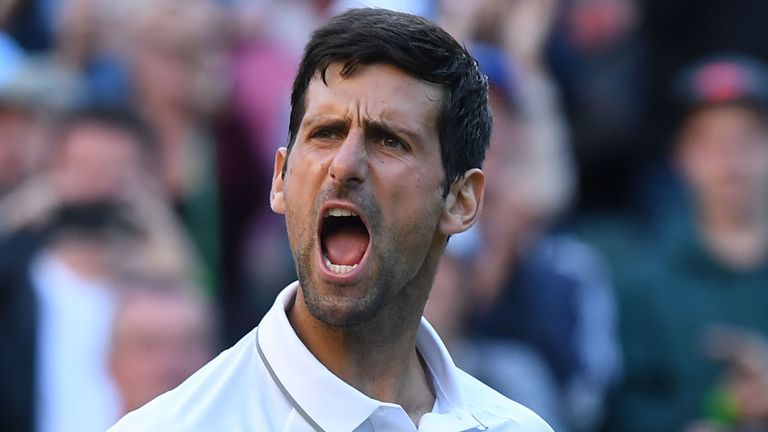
<point x="722" y="153"/>
<point x="369" y="143"/>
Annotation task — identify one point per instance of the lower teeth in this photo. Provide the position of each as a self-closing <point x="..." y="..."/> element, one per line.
<point x="339" y="268"/>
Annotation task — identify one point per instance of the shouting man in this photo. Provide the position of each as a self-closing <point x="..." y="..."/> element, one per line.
<point x="388" y="131"/>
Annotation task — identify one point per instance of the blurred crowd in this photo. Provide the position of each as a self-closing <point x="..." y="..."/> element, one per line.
<point x="617" y="279"/>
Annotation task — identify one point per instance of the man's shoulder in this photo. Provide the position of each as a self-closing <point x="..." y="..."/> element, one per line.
<point x="216" y="397"/>
<point x="496" y="411"/>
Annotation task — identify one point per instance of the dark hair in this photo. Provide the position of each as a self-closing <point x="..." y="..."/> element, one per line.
<point x="419" y="48"/>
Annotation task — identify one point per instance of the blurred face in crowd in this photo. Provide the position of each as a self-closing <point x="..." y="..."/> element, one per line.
<point x="593" y="25"/>
<point x="159" y="340"/>
<point x="179" y="56"/>
<point x="723" y="152"/>
<point x="96" y="161"/>
<point x="506" y="164"/>
<point x="363" y="192"/>
<point x="511" y="206"/>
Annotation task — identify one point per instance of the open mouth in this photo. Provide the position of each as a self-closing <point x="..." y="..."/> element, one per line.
<point x="344" y="239"/>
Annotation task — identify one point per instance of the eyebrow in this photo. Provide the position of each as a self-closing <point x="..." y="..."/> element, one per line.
<point x="375" y="125"/>
<point x="327" y="121"/>
<point x="388" y="128"/>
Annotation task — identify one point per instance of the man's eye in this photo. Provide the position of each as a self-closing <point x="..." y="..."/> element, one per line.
<point x="325" y="133"/>
<point x="393" y="142"/>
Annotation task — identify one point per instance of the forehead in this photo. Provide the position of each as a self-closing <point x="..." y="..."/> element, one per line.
<point x="377" y="91"/>
<point x="141" y="309"/>
<point x="719" y="116"/>
<point x="715" y="128"/>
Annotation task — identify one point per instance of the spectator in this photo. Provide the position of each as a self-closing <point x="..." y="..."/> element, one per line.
<point x="30" y="96"/>
<point x="528" y="269"/>
<point x="599" y="55"/>
<point x="710" y="266"/>
<point x="61" y="231"/>
<point x="162" y="333"/>
<point x="544" y="289"/>
<point x="539" y="299"/>
<point x="100" y="153"/>
<point x="56" y="314"/>
<point x="513" y="368"/>
<point x="176" y="62"/>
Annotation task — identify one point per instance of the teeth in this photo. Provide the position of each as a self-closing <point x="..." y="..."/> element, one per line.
<point x="339" y="269"/>
<point x="340" y="212"/>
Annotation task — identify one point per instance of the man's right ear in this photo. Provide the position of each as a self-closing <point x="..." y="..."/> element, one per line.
<point x="277" y="194"/>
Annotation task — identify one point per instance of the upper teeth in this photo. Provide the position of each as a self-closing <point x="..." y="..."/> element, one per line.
<point x="341" y="212"/>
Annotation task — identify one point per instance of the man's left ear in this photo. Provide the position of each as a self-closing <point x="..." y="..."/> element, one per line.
<point x="463" y="203"/>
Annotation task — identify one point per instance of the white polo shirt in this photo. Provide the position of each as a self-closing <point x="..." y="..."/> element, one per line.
<point x="269" y="381"/>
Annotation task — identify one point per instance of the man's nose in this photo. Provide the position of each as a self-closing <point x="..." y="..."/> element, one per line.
<point x="350" y="163"/>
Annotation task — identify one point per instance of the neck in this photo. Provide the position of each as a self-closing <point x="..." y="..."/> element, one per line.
<point x="379" y="357"/>
<point x="739" y="239"/>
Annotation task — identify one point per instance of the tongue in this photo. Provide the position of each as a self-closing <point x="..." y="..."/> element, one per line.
<point x="346" y="245"/>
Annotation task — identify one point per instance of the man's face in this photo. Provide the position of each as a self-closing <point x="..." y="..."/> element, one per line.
<point x="363" y="190"/>
<point x="158" y="342"/>
<point x="724" y="156"/>
<point x="96" y="161"/>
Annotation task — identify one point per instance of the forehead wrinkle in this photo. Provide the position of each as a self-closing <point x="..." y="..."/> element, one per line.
<point x="325" y="110"/>
<point x="362" y="113"/>
<point x="361" y="109"/>
<point x="397" y="120"/>
<point x="380" y="122"/>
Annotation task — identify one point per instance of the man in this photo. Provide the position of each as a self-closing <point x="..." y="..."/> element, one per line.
<point x="709" y="269"/>
<point x="63" y="234"/>
<point x="56" y="310"/>
<point x="388" y="129"/>
<point x="163" y="331"/>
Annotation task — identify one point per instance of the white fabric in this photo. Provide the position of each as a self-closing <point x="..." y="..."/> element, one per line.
<point x="235" y="392"/>
<point x="74" y="389"/>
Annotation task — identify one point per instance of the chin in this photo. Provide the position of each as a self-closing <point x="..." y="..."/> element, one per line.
<point x="342" y="306"/>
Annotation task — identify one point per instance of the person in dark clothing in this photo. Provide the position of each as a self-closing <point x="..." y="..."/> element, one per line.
<point x="709" y="266"/>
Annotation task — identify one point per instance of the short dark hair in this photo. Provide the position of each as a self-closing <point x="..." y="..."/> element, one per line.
<point x="419" y="48"/>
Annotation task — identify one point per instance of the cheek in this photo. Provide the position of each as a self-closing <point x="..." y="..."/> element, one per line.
<point x="699" y="168"/>
<point x="300" y="191"/>
<point x="295" y="182"/>
<point x="297" y="225"/>
<point x="417" y="205"/>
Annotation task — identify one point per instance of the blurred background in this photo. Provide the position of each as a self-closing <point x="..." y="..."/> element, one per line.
<point x="617" y="279"/>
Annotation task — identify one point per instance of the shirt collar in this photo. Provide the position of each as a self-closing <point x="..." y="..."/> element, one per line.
<point x="323" y="395"/>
